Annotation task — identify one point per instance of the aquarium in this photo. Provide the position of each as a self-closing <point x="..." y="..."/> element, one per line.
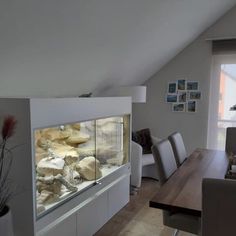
<point x="70" y="158"/>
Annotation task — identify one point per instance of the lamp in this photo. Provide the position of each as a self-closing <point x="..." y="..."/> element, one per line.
<point x="137" y="93"/>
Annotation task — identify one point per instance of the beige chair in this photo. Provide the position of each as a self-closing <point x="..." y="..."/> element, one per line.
<point x="166" y="166"/>
<point x="230" y="146"/>
<point x="177" y="144"/>
<point x="218" y="207"/>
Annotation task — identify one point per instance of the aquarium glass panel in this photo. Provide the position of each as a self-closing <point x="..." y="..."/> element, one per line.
<point x="70" y="158"/>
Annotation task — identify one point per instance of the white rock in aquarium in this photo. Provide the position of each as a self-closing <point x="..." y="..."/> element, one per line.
<point x="75" y="126"/>
<point x="106" y="151"/>
<point x="50" y="166"/>
<point x="88" y="167"/>
<point x="69" y="160"/>
<point x="64" y="150"/>
<point x="86" y="151"/>
<point x="107" y="121"/>
<point x="88" y="126"/>
<point x="58" y="178"/>
<point x="115" y="161"/>
<point x="77" y="138"/>
<point x="55" y="133"/>
<point x="108" y="129"/>
<point x="47" y="197"/>
<point x="40" y="154"/>
<point x="71" y="175"/>
<point x="43" y="143"/>
<point x="54" y="187"/>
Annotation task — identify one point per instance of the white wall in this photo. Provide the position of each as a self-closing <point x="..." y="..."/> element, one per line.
<point x="193" y="63"/>
<point x="69" y="47"/>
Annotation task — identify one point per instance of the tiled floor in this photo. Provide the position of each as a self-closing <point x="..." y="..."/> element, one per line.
<point x="137" y="218"/>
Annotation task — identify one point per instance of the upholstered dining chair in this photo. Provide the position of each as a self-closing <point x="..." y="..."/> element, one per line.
<point x="164" y="160"/>
<point x="230" y="146"/>
<point x="178" y="146"/>
<point x="218" y="207"/>
<point x="166" y="166"/>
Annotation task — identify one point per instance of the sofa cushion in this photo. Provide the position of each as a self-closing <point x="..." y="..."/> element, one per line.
<point x="147" y="159"/>
<point x="143" y="137"/>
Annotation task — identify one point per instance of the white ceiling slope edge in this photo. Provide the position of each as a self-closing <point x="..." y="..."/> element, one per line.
<point x="58" y="47"/>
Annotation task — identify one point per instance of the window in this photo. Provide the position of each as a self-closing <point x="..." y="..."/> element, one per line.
<point x="222" y="98"/>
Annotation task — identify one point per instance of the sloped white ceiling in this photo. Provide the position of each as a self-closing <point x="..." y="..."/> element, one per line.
<point x="58" y="47"/>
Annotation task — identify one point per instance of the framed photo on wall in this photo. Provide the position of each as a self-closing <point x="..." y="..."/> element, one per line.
<point x="182" y="96"/>
<point x="181" y="84"/>
<point x="178" y="107"/>
<point x="194" y="95"/>
<point x="192" y="85"/>
<point x="191" y="106"/>
<point x="172" y="87"/>
<point x="171" y="97"/>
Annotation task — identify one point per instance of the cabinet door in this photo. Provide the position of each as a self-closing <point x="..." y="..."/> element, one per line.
<point x="65" y="228"/>
<point x="118" y="196"/>
<point x="92" y="216"/>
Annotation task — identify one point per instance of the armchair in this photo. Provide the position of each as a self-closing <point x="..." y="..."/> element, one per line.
<point x="142" y="165"/>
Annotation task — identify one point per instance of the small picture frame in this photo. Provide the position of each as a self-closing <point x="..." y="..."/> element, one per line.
<point x="181" y="84"/>
<point x="191" y="106"/>
<point x="178" y="107"/>
<point x="192" y="85"/>
<point x="171" y="97"/>
<point x="182" y="96"/>
<point x="194" y="95"/>
<point x="172" y="87"/>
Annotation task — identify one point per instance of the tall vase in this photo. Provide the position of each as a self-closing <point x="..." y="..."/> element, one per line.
<point x="6" y="227"/>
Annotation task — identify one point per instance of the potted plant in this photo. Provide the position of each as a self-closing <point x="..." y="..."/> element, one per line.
<point x="8" y="128"/>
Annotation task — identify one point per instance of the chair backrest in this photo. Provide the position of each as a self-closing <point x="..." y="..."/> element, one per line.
<point x="164" y="160"/>
<point x="218" y="207"/>
<point x="177" y="144"/>
<point x="230" y="146"/>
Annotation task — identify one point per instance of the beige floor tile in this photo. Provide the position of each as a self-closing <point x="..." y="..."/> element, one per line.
<point x="137" y="218"/>
<point x="149" y="215"/>
<point x="139" y="228"/>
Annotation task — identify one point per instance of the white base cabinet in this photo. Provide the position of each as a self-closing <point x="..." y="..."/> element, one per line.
<point x="65" y="228"/>
<point x="93" y="213"/>
<point x="84" y="213"/>
<point x="118" y="197"/>
<point x="92" y="216"/>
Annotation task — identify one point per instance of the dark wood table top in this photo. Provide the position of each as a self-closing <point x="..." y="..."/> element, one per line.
<point x="183" y="190"/>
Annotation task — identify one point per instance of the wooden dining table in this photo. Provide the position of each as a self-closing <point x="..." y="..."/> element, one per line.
<point x="183" y="190"/>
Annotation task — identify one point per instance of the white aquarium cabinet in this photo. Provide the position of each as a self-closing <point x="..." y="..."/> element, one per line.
<point x="71" y="166"/>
